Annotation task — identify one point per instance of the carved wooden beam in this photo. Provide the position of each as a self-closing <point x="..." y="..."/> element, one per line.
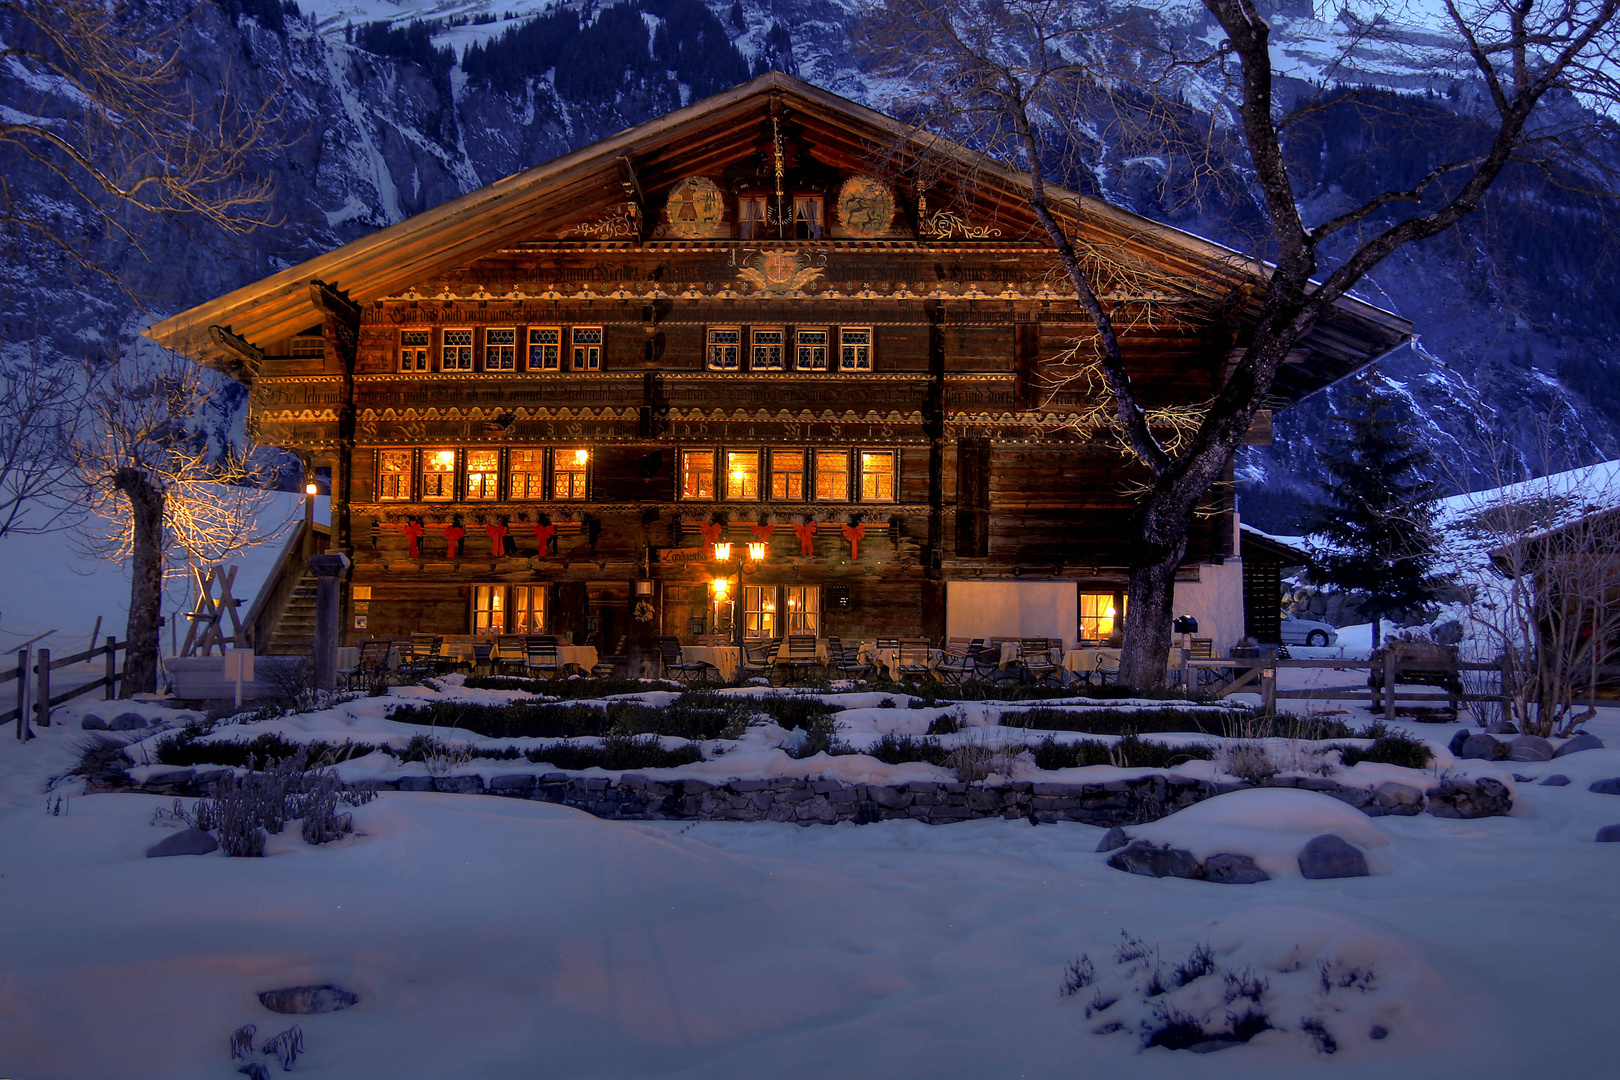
<point x="245" y="358"/>
<point x="332" y="301"/>
<point x="633" y="195"/>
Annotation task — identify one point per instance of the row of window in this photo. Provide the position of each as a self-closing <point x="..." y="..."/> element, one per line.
<point x="729" y="348"/>
<point x="495" y="473"/>
<point x="754" y="217"/>
<point x="768" y="610"/>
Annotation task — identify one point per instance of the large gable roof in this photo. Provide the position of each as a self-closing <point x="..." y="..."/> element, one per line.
<point x="703" y="137"/>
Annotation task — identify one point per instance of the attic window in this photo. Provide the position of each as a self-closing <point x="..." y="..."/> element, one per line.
<point x="807" y="217"/>
<point x="457" y="354"/>
<point x="309" y="346"/>
<point x="413" y="349"/>
<point x="751" y="217"/>
<point x="500" y="350"/>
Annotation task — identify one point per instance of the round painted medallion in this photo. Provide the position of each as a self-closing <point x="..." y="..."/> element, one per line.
<point x="865" y="206"/>
<point x="695" y="207"/>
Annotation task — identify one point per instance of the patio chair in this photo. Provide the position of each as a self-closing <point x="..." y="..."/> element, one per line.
<point x="1107" y="668"/>
<point x="607" y="666"/>
<point x="371" y="668"/>
<point x="511" y="654"/>
<point x="540" y="654"/>
<point x="423" y="658"/>
<point x="914" y="657"/>
<point x="1035" y="656"/>
<point x="846" y="658"/>
<point x="956" y="666"/>
<point x="758" y="658"/>
<point x="669" y="650"/>
<point x="801" y="654"/>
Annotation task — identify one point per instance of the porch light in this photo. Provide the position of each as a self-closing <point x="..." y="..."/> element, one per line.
<point x="644" y="588"/>
<point x="722" y="551"/>
<point x="310" y="488"/>
<point x="720" y="586"/>
<point x="756" y="552"/>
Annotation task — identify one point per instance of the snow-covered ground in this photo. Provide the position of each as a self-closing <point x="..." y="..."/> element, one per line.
<point x="494" y="937"/>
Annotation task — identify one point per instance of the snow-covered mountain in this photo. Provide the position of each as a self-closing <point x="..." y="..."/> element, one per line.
<point x="393" y="106"/>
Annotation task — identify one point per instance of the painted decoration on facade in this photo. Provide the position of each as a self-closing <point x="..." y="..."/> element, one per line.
<point x="855" y="534"/>
<point x="621" y="222"/>
<point x="695" y="207"/>
<point x="807" y="538"/>
<point x="781" y="271"/>
<point x="865" y="206"/>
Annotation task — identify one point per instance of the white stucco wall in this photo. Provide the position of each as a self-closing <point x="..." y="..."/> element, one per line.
<point x="1216" y="601"/>
<point x="987" y="609"/>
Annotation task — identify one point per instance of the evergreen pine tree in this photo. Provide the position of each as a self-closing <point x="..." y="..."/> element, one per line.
<point x="1374" y="535"/>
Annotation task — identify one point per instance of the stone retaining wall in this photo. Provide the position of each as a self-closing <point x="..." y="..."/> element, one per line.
<point x="809" y="801"/>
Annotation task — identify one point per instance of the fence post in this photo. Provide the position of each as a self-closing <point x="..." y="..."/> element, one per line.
<point x="22" y="695"/>
<point x="1268" y="690"/>
<point x="1390" y="669"/>
<point x="112" y="668"/>
<point x="42" y="698"/>
<point x="1507" y="689"/>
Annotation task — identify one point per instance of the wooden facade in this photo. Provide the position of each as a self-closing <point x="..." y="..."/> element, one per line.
<point x="731" y="324"/>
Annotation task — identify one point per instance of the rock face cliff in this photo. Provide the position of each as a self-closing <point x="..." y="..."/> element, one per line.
<point x="381" y="118"/>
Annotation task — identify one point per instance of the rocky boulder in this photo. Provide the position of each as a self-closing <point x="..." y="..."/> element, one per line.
<point x="1609" y="834"/>
<point x="92" y="722"/>
<point x="1399" y="800"/>
<point x="1484" y="797"/>
<point x="185" y="842"/>
<point x="1479" y="746"/>
<point x="1113" y="839"/>
<point x="1557" y="779"/>
<point x="129" y="721"/>
<point x="303" y="1000"/>
<point x="1227" y="869"/>
<point x="1329" y="856"/>
<point x="1611" y="786"/>
<point x="1584" y="740"/>
<point x="1529" y="748"/>
<point x="1149" y="861"/>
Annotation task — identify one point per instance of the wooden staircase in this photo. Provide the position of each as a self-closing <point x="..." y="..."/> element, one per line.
<point x="282" y="619"/>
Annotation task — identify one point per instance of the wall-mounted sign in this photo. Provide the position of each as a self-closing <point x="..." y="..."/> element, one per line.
<point x="683" y="555"/>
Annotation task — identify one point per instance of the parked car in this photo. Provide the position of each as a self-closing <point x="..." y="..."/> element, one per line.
<point x="1307" y="631"/>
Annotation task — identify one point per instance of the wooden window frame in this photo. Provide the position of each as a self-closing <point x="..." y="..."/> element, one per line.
<point x="510" y="366"/>
<point x="803" y="227"/>
<point x="559" y="454"/>
<point x="467" y="475"/>
<point x="1116" y="622"/>
<point x="754" y="345"/>
<point x="504" y="598"/>
<point x="803" y="472"/>
<point x="300" y="348"/>
<point x="725" y="473"/>
<point x="419" y="353"/>
<point x="528" y="362"/>
<point x="759" y="622"/>
<point x="453" y="472"/>
<point x="843" y="346"/>
<point x="815" y="490"/>
<point x="445" y="347"/>
<point x="710" y="346"/>
<point x="511" y="472"/>
<point x="409" y="475"/>
<point x="580" y="352"/>
<point x="894" y="474"/>
<point x="762" y="232"/>
<point x="786" y="615"/>
<point x="799" y="345"/>
<point x="714" y="474"/>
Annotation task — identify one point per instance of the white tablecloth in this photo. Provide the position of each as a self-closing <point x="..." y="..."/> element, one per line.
<point x="725" y="658"/>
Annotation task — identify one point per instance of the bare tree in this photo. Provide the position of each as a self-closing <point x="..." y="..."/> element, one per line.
<point x="41" y="408"/>
<point x="163" y="490"/>
<point x="99" y="119"/>
<point x="1049" y="85"/>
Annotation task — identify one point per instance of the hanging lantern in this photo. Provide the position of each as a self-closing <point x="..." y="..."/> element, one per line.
<point x="722" y="551"/>
<point x="756" y="552"/>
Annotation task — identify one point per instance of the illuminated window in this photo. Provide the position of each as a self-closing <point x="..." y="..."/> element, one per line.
<point x="759" y="611"/>
<point x="855" y="349"/>
<point x="751" y="217"/>
<point x="811" y="354"/>
<point x="767" y="351"/>
<point x="509" y="609"/>
<point x="803" y="609"/>
<point x="456" y="354"/>
<point x="877" y="476"/>
<point x="528" y="473"/>
<point x="500" y="350"/>
<point x="742" y="474"/>
<point x="807" y="217"/>
<point x="413" y="349"/>
<point x="568" y="471"/>
<point x="528" y="609"/>
<point x="489" y="609"/>
<point x="832" y="475"/>
<point x="587" y="341"/>
<point x="545" y="348"/>
<point x="787" y="474"/>
<point x="394" y="476"/>
<point x="438" y="474"/>
<point x="1100" y="614"/>
<point x="725" y="348"/>
<point x="697" y="474"/>
<point x="483" y="474"/>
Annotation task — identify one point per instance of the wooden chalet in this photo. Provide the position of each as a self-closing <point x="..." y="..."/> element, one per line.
<point x="773" y="317"/>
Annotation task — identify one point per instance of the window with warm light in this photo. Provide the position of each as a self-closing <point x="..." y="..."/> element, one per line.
<point x="500" y="350"/>
<point x="394" y="476"/>
<point x="803" y="609"/>
<point x="832" y="475"/>
<point x="811" y="351"/>
<point x="438" y="474"/>
<point x="807" y="217"/>
<point x="725" y="348"/>
<point x="587" y="342"/>
<point x="1100" y="614"/>
<point x="489" y="609"/>
<point x="456" y="352"/>
<point x="787" y="474"/>
<point x="742" y="474"/>
<point x="508" y="609"/>
<point x="767" y="350"/>
<point x="877" y="476"/>
<point x="483" y="474"/>
<point x="413" y="349"/>
<point x="759" y="611"/>
<point x="527" y="469"/>
<point x="528" y="609"/>
<point x="697" y="474"/>
<point x="855" y="349"/>
<point x="751" y="217"/>
<point x="568" y="473"/>
<point x="545" y="348"/>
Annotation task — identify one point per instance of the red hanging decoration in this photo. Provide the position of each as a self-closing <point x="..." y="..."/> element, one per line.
<point x="854" y="534"/>
<point x="543" y="535"/>
<point x="452" y="537"/>
<point x="413" y="533"/>
<point x="805" y="533"/>
<point x="762" y="533"/>
<point x="712" y="532"/>
<point x="497" y="540"/>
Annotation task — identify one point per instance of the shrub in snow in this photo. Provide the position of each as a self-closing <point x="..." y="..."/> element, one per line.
<point x="285" y="1047"/>
<point x="1246" y="760"/>
<point x="820" y="736"/>
<point x="100" y="755"/>
<point x="242" y="1041"/>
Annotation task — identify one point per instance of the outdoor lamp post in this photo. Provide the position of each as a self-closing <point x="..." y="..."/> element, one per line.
<point x="309" y="518"/>
<point x="721" y="584"/>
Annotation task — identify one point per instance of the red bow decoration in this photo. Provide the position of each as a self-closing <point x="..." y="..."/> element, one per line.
<point x="762" y="533"/>
<point x="543" y="534"/>
<point x="805" y="533"/>
<point x="712" y="531"/>
<point x="452" y="537"/>
<point x="854" y="534"/>
<point x="497" y="539"/>
<point x="413" y="533"/>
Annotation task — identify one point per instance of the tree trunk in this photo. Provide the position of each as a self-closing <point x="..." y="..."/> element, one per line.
<point x="146" y="586"/>
<point x="1161" y="541"/>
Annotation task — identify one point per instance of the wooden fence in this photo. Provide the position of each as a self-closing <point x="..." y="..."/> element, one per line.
<point x="34" y="694"/>
<point x="1259" y="675"/>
